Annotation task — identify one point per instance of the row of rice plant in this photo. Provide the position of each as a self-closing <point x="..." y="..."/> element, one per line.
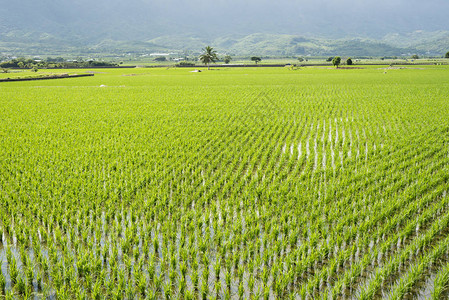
<point x="258" y="190"/>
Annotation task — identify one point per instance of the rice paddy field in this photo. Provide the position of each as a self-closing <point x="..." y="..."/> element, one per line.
<point x="258" y="183"/>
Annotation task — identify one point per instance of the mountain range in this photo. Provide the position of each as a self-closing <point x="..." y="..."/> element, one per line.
<point x="246" y="27"/>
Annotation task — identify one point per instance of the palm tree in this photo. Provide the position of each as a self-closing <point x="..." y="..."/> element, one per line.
<point x="209" y="55"/>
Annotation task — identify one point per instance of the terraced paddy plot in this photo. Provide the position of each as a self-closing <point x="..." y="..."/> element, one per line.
<point x="229" y="183"/>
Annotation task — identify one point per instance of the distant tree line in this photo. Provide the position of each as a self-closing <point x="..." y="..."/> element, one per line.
<point x="57" y="63"/>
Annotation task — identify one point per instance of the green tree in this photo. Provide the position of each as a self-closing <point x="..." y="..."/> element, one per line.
<point x="329" y="58"/>
<point x="447" y="55"/>
<point x="336" y="61"/>
<point x="34" y="69"/>
<point x="349" y="61"/>
<point x="209" y="55"/>
<point x="256" y="59"/>
<point x="415" y="56"/>
<point x="300" y="59"/>
<point x="227" y="59"/>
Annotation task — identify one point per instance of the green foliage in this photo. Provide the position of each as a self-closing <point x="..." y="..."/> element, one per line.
<point x="58" y="62"/>
<point x="227" y="59"/>
<point x="160" y="58"/>
<point x="240" y="183"/>
<point x="349" y="61"/>
<point x="186" y="64"/>
<point x="415" y="56"/>
<point x="336" y="61"/>
<point x="58" y="59"/>
<point x="256" y="59"/>
<point x="2" y="284"/>
<point x="441" y="283"/>
<point x="209" y="56"/>
<point x="446" y="55"/>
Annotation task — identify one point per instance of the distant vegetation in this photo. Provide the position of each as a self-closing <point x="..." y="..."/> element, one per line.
<point x="209" y="56"/>
<point x="186" y="64"/>
<point x="259" y="44"/>
<point x="336" y="61"/>
<point x="256" y="59"/>
<point x="160" y="58"/>
<point x="227" y="59"/>
<point x="57" y="63"/>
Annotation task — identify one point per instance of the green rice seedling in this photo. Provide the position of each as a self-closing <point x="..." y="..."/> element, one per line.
<point x="39" y="280"/>
<point x="64" y="294"/>
<point x="96" y="290"/>
<point x="110" y="285"/>
<point x="13" y="271"/>
<point x="136" y="254"/>
<point x="217" y="288"/>
<point x="217" y="268"/>
<point x="223" y="177"/>
<point x="266" y="292"/>
<point x="228" y="278"/>
<point x="121" y="283"/>
<point x="117" y="293"/>
<point x="29" y="274"/>
<point x="441" y="283"/>
<point x="45" y="266"/>
<point x="241" y="290"/>
<point x="9" y="295"/>
<point x="173" y="260"/>
<point x="21" y="286"/>
<point x="158" y="282"/>
<point x="235" y="260"/>
<point x="251" y="283"/>
<point x="182" y="286"/>
<point x="152" y="295"/>
<point x="168" y="290"/>
<point x="150" y="268"/>
<point x="156" y="244"/>
<point x="105" y="252"/>
<point x="240" y="272"/>
<point x="134" y="270"/>
<point x="2" y="283"/>
<point x="141" y="285"/>
<point x="130" y="292"/>
<point x="195" y="279"/>
<point x="204" y="289"/>
<point x="205" y="274"/>
<point x="172" y="275"/>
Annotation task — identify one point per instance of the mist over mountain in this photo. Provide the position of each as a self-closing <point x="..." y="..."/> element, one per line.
<point x="179" y="24"/>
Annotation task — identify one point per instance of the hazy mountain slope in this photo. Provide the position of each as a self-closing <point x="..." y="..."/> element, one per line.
<point x="145" y="19"/>
<point x="231" y="24"/>
<point x="422" y="40"/>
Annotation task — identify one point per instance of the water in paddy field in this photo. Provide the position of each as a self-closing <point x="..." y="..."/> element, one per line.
<point x="170" y="163"/>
